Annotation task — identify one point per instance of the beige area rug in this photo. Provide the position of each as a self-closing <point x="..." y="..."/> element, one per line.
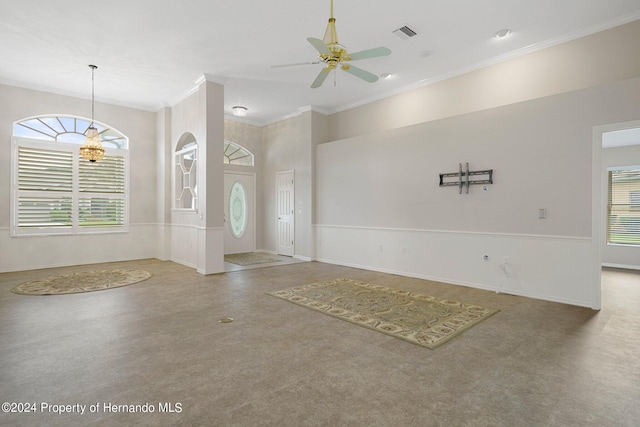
<point x="421" y="319"/>
<point x="83" y="281"/>
<point x="249" y="258"/>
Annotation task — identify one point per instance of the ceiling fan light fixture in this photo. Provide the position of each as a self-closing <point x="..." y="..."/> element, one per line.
<point x="335" y="55"/>
<point x="239" y="111"/>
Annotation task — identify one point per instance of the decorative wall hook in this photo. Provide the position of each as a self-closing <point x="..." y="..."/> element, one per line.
<point x="462" y="178"/>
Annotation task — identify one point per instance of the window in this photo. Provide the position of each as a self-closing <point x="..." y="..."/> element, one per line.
<point x="55" y="190"/>
<point x="186" y="169"/>
<point x="235" y="154"/>
<point x="623" y="216"/>
<point x="68" y="129"/>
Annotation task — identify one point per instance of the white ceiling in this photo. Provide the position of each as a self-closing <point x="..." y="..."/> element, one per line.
<point x="150" y="53"/>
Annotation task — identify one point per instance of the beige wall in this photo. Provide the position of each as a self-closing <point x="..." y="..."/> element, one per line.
<point x="288" y="146"/>
<point x="139" y="126"/>
<point x="18" y="253"/>
<point x="608" y="56"/>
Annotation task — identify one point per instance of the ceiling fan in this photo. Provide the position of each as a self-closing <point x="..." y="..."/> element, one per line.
<point x="333" y="54"/>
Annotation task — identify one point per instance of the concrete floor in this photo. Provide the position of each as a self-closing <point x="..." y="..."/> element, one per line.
<point x="160" y="343"/>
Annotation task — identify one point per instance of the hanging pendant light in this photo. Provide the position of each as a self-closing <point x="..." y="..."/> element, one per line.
<point x="92" y="149"/>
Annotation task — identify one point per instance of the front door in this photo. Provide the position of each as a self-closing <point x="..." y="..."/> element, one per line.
<point x="285" y="195"/>
<point x="239" y="213"/>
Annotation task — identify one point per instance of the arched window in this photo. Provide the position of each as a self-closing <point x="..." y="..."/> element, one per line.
<point x="235" y="154"/>
<point x="186" y="173"/>
<point x="56" y="190"/>
<point x="71" y="129"/>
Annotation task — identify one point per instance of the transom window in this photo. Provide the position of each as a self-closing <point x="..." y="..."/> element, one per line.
<point x="56" y="190"/>
<point x="71" y="129"/>
<point x="235" y="154"/>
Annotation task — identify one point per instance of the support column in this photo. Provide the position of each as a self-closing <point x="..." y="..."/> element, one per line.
<point x="211" y="180"/>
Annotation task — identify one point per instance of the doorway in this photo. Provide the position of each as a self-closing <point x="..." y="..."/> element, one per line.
<point x="285" y="186"/>
<point x="604" y="137"/>
<point x="239" y="213"/>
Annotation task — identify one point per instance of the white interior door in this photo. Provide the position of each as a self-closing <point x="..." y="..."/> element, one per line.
<point x="239" y="213"/>
<point x="285" y="213"/>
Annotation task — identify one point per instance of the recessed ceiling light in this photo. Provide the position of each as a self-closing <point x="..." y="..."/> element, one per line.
<point x="386" y="75"/>
<point x="426" y="54"/>
<point x="239" y="111"/>
<point x="502" y="33"/>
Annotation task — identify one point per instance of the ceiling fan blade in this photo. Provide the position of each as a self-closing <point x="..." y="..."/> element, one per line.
<point x="360" y="73"/>
<point x="295" y="64"/>
<point x="319" y="45"/>
<point x="370" y="53"/>
<point x="322" y="76"/>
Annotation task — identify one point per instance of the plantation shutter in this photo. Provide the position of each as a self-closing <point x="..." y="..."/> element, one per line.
<point x="55" y="191"/>
<point x="623" y="225"/>
<point x="45" y="183"/>
<point x="102" y="192"/>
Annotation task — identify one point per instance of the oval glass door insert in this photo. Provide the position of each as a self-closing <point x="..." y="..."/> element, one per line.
<point x="237" y="210"/>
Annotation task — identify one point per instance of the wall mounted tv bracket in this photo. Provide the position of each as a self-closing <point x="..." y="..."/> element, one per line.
<point x="462" y="179"/>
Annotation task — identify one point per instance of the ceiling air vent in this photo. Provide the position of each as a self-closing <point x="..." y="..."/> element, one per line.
<point x="405" y="32"/>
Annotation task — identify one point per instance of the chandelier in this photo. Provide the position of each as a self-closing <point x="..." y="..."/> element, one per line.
<point x="92" y="149"/>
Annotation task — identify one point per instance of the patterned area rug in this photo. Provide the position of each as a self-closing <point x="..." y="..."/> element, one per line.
<point x="249" y="258"/>
<point x="421" y="319"/>
<point x="83" y="281"/>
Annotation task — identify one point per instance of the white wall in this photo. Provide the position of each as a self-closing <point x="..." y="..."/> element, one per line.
<point x="197" y="235"/>
<point x="29" y="252"/>
<point x="618" y="255"/>
<point x="536" y="266"/>
<point x="381" y="189"/>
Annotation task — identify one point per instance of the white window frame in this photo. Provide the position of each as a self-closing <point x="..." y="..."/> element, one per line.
<point x="632" y="207"/>
<point x="76" y="195"/>
<point x="236" y="154"/>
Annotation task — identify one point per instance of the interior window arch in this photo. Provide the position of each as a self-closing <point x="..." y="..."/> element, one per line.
<point x="186" y="173"/>
<point x="55" y="190"/>
<point x="236" y="154"/>
<point x="66" y="128"/>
